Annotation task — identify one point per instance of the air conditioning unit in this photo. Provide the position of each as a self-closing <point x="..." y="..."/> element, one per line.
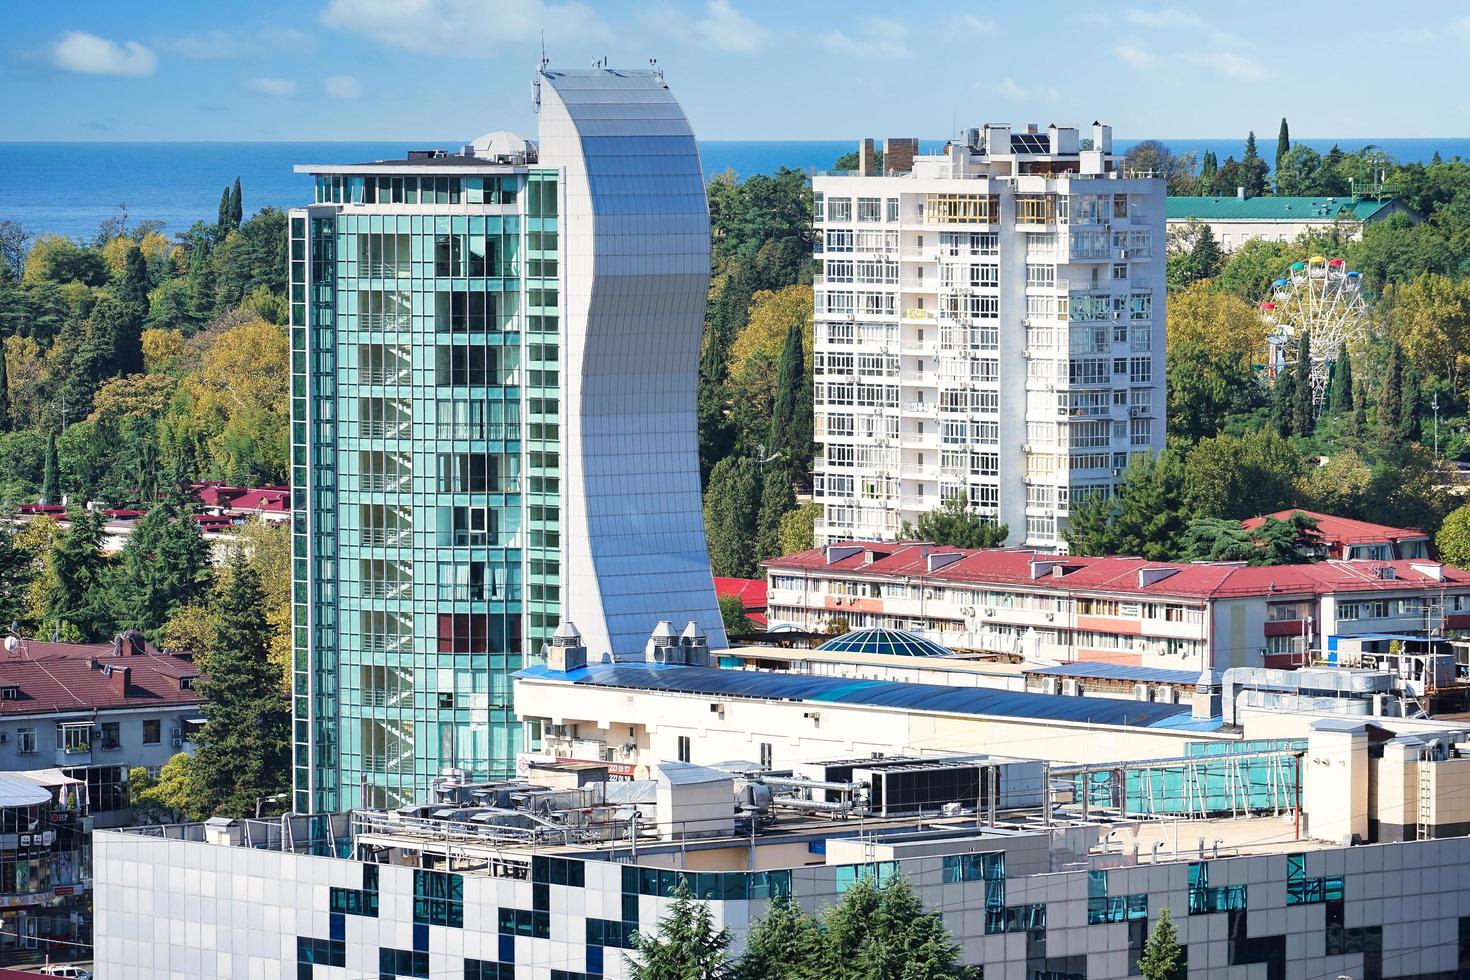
<point x="1069" y="686"/>
<point x="1123" y="255"/>
<point x="176" y="742"/>
<point x="1140" y="692"/>
<point x="1117" y="471"/>
<point x="4" y="737"/>
<point x="989" y="611"/>
<point x="1134" y="412"/>
<point x="1051" y="617"/>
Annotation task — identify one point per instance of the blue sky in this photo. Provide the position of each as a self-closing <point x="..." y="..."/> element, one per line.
<point x="744" y="69"/>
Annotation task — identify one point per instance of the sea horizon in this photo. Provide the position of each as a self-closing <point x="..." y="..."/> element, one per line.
<point x="69" y="187"/>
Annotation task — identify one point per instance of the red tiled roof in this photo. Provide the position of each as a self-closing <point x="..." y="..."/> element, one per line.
<point x="1343" y="530"/>
<point x="1013" y="566"/>
<point x="55" y="677"/>
<point x="752" y="593"/>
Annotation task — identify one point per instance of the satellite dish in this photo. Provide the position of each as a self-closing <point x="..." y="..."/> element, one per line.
<point x="11" y="643"/>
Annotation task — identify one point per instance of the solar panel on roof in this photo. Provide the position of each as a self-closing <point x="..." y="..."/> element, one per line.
<point x="712" y="681"/>
<point x="1030" y="143"/>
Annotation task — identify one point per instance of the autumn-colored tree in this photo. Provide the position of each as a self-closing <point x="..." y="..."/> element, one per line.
<point x="1219" y="323"/>
<point x="1430" y="320"/>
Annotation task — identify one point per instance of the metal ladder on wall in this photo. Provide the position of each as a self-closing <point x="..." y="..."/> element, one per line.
<point x="1424" y="827"/>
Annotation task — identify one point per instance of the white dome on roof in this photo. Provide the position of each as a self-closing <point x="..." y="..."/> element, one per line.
<point x="501" y="143"/>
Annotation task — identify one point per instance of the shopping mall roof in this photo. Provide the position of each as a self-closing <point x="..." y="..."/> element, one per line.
<point x="938" y="698"/>
<point x="1046" y="572"/>
<point x="1293" y="209"/>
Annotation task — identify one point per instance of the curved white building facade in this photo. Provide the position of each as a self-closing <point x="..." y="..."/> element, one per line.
<point x="635" y="254"/>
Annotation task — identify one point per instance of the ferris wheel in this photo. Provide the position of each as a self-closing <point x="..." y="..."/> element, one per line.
<point x="1323" y="300"/>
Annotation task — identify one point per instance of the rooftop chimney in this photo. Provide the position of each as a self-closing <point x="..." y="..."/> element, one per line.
<point x="899" y="153"/>
<point x="1240" y="194"/>
<point x="867" y="166"/>
<point x="565" y="651"/>
<point x="121" y="680"/>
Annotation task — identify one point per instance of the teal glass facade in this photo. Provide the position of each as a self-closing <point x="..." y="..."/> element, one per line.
<point x="425" y="341"/>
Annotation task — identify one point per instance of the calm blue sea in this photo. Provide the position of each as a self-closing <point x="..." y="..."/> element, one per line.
<point x="69" y="188"/>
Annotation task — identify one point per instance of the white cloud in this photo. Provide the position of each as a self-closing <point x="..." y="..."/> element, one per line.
<point x="729" y="30"/>
<point x="279" y="87"/>
<point x="1134" y="55"/>
<point x="218" y="45"/>
<point x="978" y="25"/>
<point x="878" y="39"/>
<point x="1163" y="19"/>
<point x="89" y="54"/>
<point x="1009" y="89"/>
<point x="462" y="28"/>
<point x="1231" y="65"/>
<point x="342" y="87"/>
<point x="1462" y="27"/>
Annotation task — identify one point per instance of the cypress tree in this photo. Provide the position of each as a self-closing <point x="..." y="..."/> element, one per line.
<point x="1342" y="382"/>
<point x="244" y="750"/>
<point x="1391" y="406"/>
<point x="1303" y="415"/>
<point x="222" y="225"/>
<point x="1410" y="404"/>
<point x="50" y="474"/>
<point x="791" y="418"/>
<point x="1359" y="427"/>
<point x="1283" y="144"/>
<point x="4" y="392"/>
<point x="731" y="504"/>
<point x="237" y="209"/>
<point x="1283" y="401"/>
<point x="1209" y="166"/>
<point x="1253" y="169"/>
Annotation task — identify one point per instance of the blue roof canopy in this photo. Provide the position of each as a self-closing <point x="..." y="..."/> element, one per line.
<point x="895" y="643"/>
<point x="1119" y="672"/>
<point x="781" y="686"/>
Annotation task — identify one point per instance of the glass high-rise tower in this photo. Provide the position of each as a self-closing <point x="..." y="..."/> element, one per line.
<point x="494" y="359"/>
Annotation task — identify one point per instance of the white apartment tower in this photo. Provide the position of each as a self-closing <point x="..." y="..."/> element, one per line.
<point x="989" y="324"/>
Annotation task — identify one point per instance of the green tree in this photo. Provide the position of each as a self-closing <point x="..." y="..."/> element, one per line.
<point x="164" y="567"/>
<point x="731" y="507"/>
<point x="237" y="209"/>
<point x="905" y="942"/>
<point x="1283" y="143"/>
<point x="1253" y="169"/>
<point x="1390" y="418"/>
<point x="73" y="593"/>
<point x="1341" y="395"/>
<point x="4" y="393"/>
<point x="1146" y="515"/>
<point x="18" y="570"/>
<point x="1237" y="477"/>
<point x="1205" y="390"/>
<point x="134" y="287"/>
<point x="1303" y="412"/>
<point x="1283" y="401"/>
<point x="225" y="212"/>
<point x="791" y="410"/>
<point x="1294" y="541"/>
<point x="1453" y="539"/>
<point x="243" y="752"/>
<point x="685" y="946"/>
<point x="785" y="944"/>
<point x="1204" y="260"/>
<point x="798" y="527"/>
<point x="1163" y="958"/>
<point x="1299" y="173"/>
<point x="732" y="614"/>
<point x="953" y="524"/>
<point x="51" y="477"/>
<point x="777" y="500"/>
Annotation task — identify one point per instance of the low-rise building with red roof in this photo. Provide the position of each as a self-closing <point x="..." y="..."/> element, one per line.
<point x="1042" y="606"/>
<point x="1352" y="540"/>
<point x="751" y="593"/>
<point x="95" y="711"/>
